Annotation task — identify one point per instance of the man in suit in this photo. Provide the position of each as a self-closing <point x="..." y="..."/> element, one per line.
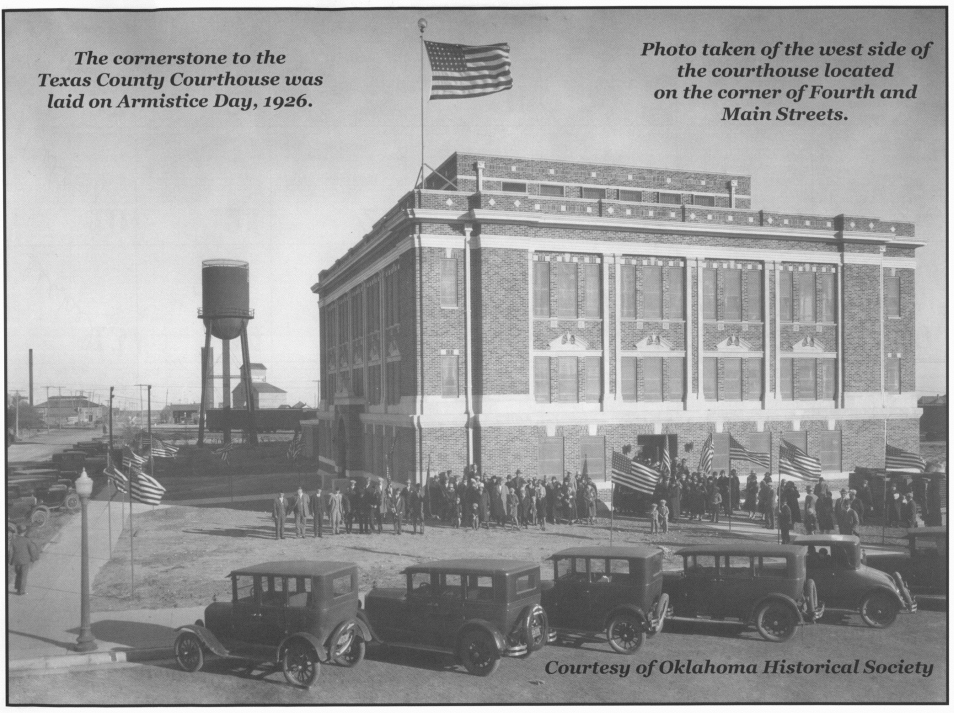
<point x="279" y="512"/>
<point x="300" y="508"/>
<point x="317" y="511"/>
<point x="909" y="511"/>
<point x="23" y="553"/>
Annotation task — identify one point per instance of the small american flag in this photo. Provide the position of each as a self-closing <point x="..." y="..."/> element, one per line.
<point x="633" y="475"/>
<point x="464" y="71"/>
<point x="146" y="489"/>
<point x="796" y="463"/>
<point x="131" y="461"/>
<point x="223" y="452"/>
<point x="117" y="478"/>
<point x="163" y="450"/>
<point x="706" y="455"/>
<point x="897" y="459"/>
<point x="294" y="448"/>
<point x="739" y="452"/>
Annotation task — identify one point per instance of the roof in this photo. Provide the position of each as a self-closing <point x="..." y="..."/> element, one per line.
<point x="473" y="566"/>
<point x="296" y="568"/>
<point x="260" y="387"/>
<point x="620" y="552"/>
<point x="763" y="549"/>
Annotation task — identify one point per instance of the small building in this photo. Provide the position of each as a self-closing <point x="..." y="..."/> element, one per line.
<point x="266" y="395"/>
<point x="70" y="411"/>
<point x="185" y="413"/>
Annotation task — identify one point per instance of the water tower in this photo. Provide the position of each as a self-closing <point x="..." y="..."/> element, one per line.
<point x="226" y="314"/>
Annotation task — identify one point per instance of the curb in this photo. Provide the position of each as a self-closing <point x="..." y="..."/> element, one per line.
<point x="94" y="658"/>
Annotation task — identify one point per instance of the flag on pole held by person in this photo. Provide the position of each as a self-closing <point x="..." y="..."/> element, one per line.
<point x="897" y="459"/>
<point x="706" y="455"/>
<point x="117" y="478"/>
<point x="739" y="452"/>
<point x="633" y="475"/>
<point x="666" y="460"/>
<point x="465" y="71"/>
<point x="146" y="489"/>
<point x="796" y="463"/>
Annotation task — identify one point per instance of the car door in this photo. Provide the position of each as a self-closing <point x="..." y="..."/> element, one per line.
<point x="821" y="567"/>
<point x="274" y="602"/>
<point x="701" y="584"/>
<point x="731" y="585"/>
<point x="421" y="625"/>
<point x="573" y="592"/>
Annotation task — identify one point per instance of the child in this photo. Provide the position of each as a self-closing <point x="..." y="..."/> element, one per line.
<point x="664" y="515"/>
<point x="455" y="514"/>
<point x="653" y="520"/>
<point x="474" y="516"/>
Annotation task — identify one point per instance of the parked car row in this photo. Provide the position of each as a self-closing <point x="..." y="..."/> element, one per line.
<point x="301" y="614"/>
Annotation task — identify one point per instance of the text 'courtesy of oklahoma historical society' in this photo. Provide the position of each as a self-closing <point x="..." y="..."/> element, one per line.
<point x="769" y="666"/>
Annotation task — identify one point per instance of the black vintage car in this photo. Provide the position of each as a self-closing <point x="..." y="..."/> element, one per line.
<point x="924" y="565"/>
<point x="758" y="583"/>
<point x="297" y="614"/>
<point x="477" y="610"/>
<point x="836" y="565"/>
<point x="611" y="590"/>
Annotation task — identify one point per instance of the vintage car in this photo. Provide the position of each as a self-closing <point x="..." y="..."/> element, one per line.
<point x="611" y="590"/>
<point x="836" y="564"/>
<point x="477" y="610"/>
<point x="758" y="583"/>
<point x="924" y="565"/>
<point x="297" y="614"/>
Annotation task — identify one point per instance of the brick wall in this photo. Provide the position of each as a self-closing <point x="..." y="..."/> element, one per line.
<point x="862" y="331"/>
<point x="899" y="333"/>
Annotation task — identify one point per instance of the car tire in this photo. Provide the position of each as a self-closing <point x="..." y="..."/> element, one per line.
<point x="188" y="652"/>
<point x="40" y="516"/>
<point x="776" y="621"/>
<point x="72" y="502"/>
<point x="878" y="610"/>
<point x="625" y="633"/>
<point x="345" y="646"/>
<point x="811" y="597"/>
<point x="536" y="629"/>
<point x="478" y="652"/>
<point x="300" y="663"/>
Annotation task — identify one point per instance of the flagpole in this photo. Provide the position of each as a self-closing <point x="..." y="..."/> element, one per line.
<point x="612" y="511"/>
<point x="132" y="572"/>
<point x="422" y="25"/>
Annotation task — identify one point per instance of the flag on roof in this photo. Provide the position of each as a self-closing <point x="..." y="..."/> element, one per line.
<point x="897" y="459"/>
<point x="739" y="452"/>
<point x="706" y="455"/>
<point x="146" y="489"/>
<point x="465" y="71"/>
<point x="117" y="478"/>
<point x="796" y="463"/>
<point x="633" y="475"/>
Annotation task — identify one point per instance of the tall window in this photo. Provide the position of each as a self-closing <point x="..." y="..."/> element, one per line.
<point x="357" y="316"/>
<point x="892" y="375"/>
<point x="753" y="295"/>
<point x="760" y="442"/>
<point x="566" y="290"/>
<point x="593" y="457"/>
<point x="720" y="456"/>
<point x="593" y="385"/>
<point x="541" y="379"/>
<point x="709" y="293"/>
<point x="675" y="378"/>
<point x="892" y="302"/>
<point x="710" y="378"/>
<point x="806" y="379"/>
<point x="541" y="289"/>
<point x="394" y="382"/>
<point x="374" y="384"/>
<point x="830" y="455"/>
<point x="826" y="297"/>
<point x="826" y="379"/>
<point x="551" y="457"/>
<point x="449" y="283"/>
<point x="787" y="379"/>
<point x="627" y="279"/>
<point x="732" y="286"/>
<point x="374" y="307"/>
<point x="753" y="379"/>
<point x="676" y="295"/>
<point x="652" y="293"/>
<point x="732" y="381"/>
<point x="651" y="368"/>
<point x="628" y="378"/>
<point x="799" y="439"/>
<point x="568" y="388"/>
<point x="449" y="375"/>
<point x="806" y="296"/>
<point x="591" y="290"/>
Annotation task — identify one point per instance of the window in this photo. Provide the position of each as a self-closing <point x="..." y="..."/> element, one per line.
<point x="551" y="457"/>
<point x="674" y="198"/>
<point x="753" y="295"/>
<point x="892" y="375"/>
<point x="566" y="290"/>
<point x="675" y="276"/>
<point x="720" y="455"/>
<point x="732" y="380"/>
<point x="541" y="379"/>
<point x="449" y="373"/>
<point x="564" y="570"/>
<point x="419" y="584"/>
<point x="826" y="379"/>
<point x="593" y="457"/>
<point x="244" y="589"/>
<point x="594" y="193"/>
<point x="771" y="567"/>
<point x="541" y="289"/>
<point x="357" y="382"/>
<point x="526" y="582"/>
<point x="374" y="384"/>
<point x="394" y="382"/>
<point x="737" y="567"/>
<point x="797" y="438"/>
<point x="760" y="442"/>
<point x="591" y="291"/>
<point x="826" y="304"/>
<point x="892" y="301"/>
<point x="357" y="317"/>
<point x="449" y="283"/>
<point x="786" y="302"/>
<point x="732" y="287"/>
<point x="550" y="190"/>
<point x="805" y="370"/>
<point x="628" y="378"/>
<point x="787" y="379"/>
<point x="593" y="385"/>
<point x="652" y="293"/>
<point x="631" y="196"/>
<point x="651" y="368"/>
<point x="511" y="187"/>
<point x="619" y="566"/>
<point x="703" y="200"/>
<point x="710" y="378"/>
<point x="567" y="379"/>
<point x="831" y="451"/>
<point x="806" y="296"/>
<point x="753" y="379"/>
<point x="675" y="378"/>
<point x="341" y="585"/>
<point x="452" y="586"/>
<point x="702" y="565"/>
<point x="374" y="307"/>
<point x="627" y="279"/>
<point x="709" y="294"/>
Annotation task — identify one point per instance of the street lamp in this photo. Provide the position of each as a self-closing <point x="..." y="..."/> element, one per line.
<point x="85" y="641"/>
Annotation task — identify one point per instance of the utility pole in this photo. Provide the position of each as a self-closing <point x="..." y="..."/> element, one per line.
<point x="152" y="470"/>
<point x="18" y="415"/>
<point x="140" y="401"/>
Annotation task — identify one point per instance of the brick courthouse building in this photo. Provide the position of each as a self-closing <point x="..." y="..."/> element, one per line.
<point x="535" y="314"/>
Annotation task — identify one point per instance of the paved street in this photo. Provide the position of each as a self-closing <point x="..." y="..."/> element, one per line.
<point x="396" y="676"/>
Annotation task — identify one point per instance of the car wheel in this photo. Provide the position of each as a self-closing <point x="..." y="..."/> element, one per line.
<point x="478" y="652"/>
<point x="188" y="650"/>
<point x="300" y="663"/>
<point x="40" y="516"/>
<point x="625" y="633"/>
<point x="536" y="628"/>
<point x="878" y="610"/>
<point x="776" y="621"/>
<point x="346" y="647"/>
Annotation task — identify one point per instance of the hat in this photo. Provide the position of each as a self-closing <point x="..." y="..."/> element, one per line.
<point x="843" y="491"/>
<point x="21" y="528"/>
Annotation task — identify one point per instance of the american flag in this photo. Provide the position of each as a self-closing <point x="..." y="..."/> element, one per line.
<point x="463" y="71"/>
<point x="146" y="489"/>
<point x="739" y="452"/>
<point x="117" y="478"/>
<point x="163" y="450"/>
<point x="143" y="441"/>
<point x="666" y="460"/>
<point x="223" y="452"/>
<point x="706" y="455"/>
<point x="795" y="462"/>
<point x="897" y="459"/>
<point x="294" y="448"/>
<point x="633" y="475"/>
<point x="131" y="461"/>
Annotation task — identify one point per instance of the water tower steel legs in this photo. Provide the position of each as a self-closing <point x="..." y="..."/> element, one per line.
<point x="226" y="394"/>
<point x="247" y="385"/>
<point x="205" y="371"/>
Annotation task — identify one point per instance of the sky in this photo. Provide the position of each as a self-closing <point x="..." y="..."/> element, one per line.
<point x="110" y="211"/>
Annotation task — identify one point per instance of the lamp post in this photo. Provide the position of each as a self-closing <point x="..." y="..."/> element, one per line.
<point x="85" y="641"/>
